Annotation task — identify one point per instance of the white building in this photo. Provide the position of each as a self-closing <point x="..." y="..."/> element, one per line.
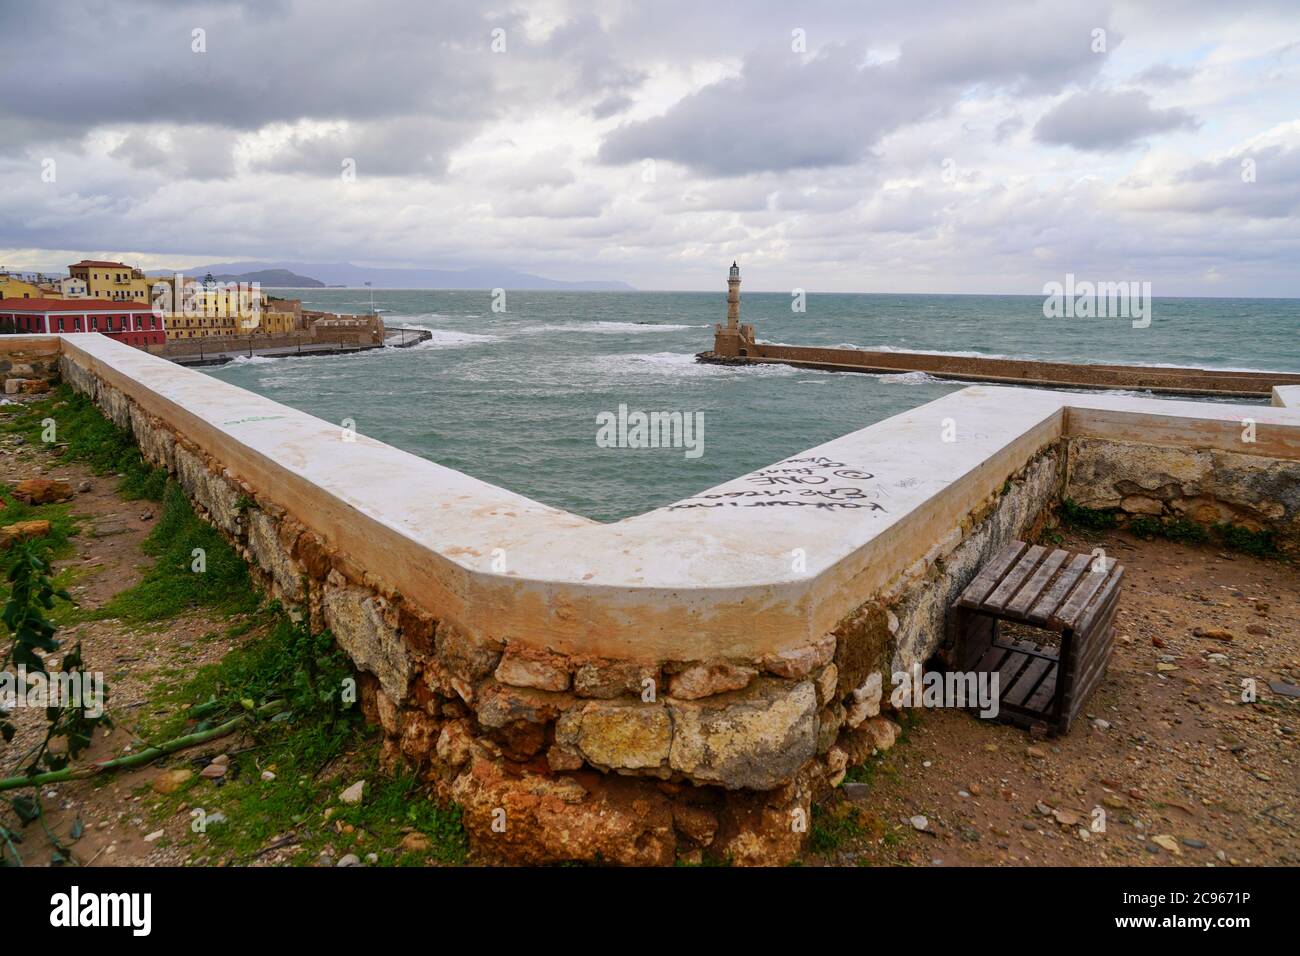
<point x="73" y="288"/>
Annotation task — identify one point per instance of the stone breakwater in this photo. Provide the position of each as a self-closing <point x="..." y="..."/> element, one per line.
<point x="636" y="712"/>
<point x="745" y="350"/>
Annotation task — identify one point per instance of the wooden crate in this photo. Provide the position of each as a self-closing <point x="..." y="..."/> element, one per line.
<point x="1070" y="598"/>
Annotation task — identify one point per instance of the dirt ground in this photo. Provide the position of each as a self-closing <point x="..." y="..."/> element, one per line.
<point x="108" y="559"/>
<point x="1185" y="773"/>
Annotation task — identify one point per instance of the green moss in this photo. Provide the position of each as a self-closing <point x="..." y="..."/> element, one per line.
<point x="833" y="827"/>
<point x="1262" y="544"/>
<point x="1074" y="515"/>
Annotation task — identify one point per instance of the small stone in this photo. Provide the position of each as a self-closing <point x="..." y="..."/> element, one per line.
<point x="1164" y="668"/>
<point x="352" y="795"/>
<point x="526" y="667"/>
<point x="1167" y="842"/>
<point x="1038" y="753"/>
<point x="920" y="822"/>
<point x="267" y="776"/>
<point x="154" y="836"/>
<point x="214" y="771"/>
<point x="1214" y="634"/>
<point x="416" y="842"/>
<point x="23" y="531"/>
<point x="350" y="860"/>
<point x="797" y="663"/>
<point x="1193" y="843"/>
<point x="372" y="858"/>
<point x="1101" y="724"/>
<point x="169" y="781"/>
<point x="42" y="491"/>
<point x="84" y="485"/>
<point x="709" y="678"/>
<point x="837" y="763"/>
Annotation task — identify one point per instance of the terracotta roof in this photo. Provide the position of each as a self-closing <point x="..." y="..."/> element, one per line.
<point x="71" y="305"/>
<point x="100" y="263"/>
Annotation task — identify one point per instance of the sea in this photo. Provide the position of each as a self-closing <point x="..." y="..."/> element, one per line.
<point x="514" y="390"/>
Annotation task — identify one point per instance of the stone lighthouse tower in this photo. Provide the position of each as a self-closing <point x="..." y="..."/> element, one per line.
<point x="733" y="340"/>
<point x="733" y="299"/>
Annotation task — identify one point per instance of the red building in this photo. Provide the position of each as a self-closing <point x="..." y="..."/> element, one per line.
<point x="131" y="322"/>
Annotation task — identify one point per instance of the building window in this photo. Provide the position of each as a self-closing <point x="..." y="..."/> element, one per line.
<point x="60" y="323"/>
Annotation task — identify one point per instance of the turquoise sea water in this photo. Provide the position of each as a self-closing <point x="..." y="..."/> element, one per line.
<point x="513" y="398"/>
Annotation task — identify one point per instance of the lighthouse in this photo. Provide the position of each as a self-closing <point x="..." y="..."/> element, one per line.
<point x="733" y="298"/>
<point x="733" y="340"/>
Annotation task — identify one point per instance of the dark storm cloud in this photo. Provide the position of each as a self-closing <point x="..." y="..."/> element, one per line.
<point x="1105" y="120"/>
<point x="87" y="64"/>
<point x="785" y="111"/>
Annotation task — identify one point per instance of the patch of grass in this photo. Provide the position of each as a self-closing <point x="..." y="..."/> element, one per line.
<point x="319" y="731"/>
<point x="1261" y="544"/>
<point x="90" y="438"/>
<point x="1076" y="516"/>
<point x="172" y="586"/>
<point x="63" y="524"/>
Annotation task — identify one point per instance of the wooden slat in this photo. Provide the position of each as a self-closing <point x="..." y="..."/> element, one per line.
<point x="974" y="635"/>
<point x="1074" y="606"/>
<point x="1021" y="603"/>
<point x="1077" y="694"/>
<point x="1016" y="577"/>
<point x="991" y="574"/>
<point x="1010" y="669"/>
<point x="1108" y="595"/>
<point x="1027" y="683"/>
<point x="1041" y="699"/>
<point x="1099" y="646"/>
<point x="1041" y="612"/>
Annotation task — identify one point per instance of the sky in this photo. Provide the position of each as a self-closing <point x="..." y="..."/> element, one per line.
<point x="948" y="146"/>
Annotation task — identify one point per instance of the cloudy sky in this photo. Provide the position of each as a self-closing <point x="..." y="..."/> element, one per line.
<point x="838" y="146"/>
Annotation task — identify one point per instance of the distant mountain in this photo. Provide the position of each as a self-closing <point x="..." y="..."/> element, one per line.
<point x="281" y="278"/>
<point x="347" y="274"/>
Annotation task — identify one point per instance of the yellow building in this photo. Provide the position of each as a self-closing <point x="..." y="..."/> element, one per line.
<point x="12" y="287"/>
<point x="214" y="308"/>
<point x="111" y="280"/>
<point x="278" y="323"/>
<point x="181" y="326"/>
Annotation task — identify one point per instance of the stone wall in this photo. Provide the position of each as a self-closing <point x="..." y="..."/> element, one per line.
<point x="592" y="758"/>
<point x="1206" y="485"/>
<point x="641" y="730"/>
<point x="29" y="369"/>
